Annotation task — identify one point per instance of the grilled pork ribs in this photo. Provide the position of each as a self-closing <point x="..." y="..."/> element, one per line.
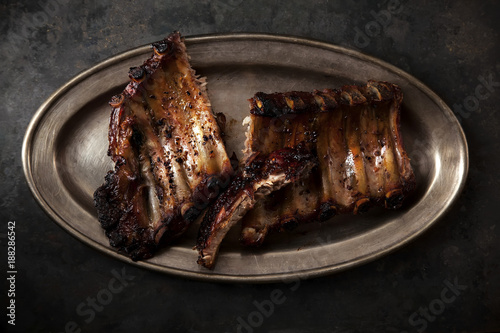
<point x="308" y="156"/>
<point x="355" y="132"/>
<point x="170" y="159"/>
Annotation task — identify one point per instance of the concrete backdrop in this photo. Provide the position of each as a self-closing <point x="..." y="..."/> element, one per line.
<point x="449" y="45"/>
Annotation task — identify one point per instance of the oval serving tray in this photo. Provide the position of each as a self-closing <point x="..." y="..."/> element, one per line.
<point x="64" y="154"/>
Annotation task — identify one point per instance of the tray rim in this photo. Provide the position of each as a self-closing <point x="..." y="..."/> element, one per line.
<point x="264" y="278"/>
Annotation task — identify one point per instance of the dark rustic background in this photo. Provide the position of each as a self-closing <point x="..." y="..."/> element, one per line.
<point x="452" y="46"/>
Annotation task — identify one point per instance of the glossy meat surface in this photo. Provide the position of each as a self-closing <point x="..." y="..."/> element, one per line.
<point x="261" y="176"/>
<point x="170" y="160"/>
<point x="356" y="134"/>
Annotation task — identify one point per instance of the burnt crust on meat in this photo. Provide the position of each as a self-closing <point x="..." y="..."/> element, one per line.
<point x="260" y="176"/>
<point x="355" y="131"/>
<point x="169" y="155"/>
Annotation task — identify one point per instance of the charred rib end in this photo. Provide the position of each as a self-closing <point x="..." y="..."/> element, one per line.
<point x="161" y="47"/>
<point x="362" y="206"/>
<point x="394" y="199"/>
<point x="289" y="223"/>
<point x="137" y="74"/>
<point x="189" y="212"/>
<point x="327" y="211"/>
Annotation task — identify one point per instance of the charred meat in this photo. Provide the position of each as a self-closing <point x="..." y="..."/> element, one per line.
<point x="355" y="132"/>
<point x="260" y="176"/>
<point x="170" y="159"/>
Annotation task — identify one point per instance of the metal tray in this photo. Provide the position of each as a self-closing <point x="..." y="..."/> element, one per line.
<point x="64" y="154"/>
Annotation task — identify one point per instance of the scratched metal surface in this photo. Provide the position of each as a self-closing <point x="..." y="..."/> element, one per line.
<point x="445" y="280"/>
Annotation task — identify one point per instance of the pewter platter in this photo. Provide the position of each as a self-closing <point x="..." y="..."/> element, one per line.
<point x="64" y="154"/>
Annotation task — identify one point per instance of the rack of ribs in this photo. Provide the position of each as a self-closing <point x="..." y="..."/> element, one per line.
<point x="170" y="159"/>
<point x="355" y="132"/>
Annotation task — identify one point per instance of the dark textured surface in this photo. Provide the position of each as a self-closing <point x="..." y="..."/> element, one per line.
<point x="452" y="46"/>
